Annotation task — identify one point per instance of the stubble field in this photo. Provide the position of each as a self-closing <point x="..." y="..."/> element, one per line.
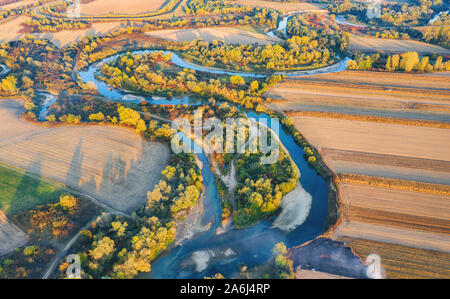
<point x="372" y="45"/>
<point x="113" y="165"/>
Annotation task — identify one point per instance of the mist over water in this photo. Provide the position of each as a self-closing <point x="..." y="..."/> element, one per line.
<point x="294" y="209"/>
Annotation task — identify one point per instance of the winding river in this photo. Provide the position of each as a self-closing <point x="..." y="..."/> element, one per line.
<point x="207" y="252"/>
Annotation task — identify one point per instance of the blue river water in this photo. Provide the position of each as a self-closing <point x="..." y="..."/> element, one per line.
<point x="225" y="253"/>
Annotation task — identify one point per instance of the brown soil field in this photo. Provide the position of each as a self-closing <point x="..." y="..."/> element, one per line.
<point x="11" y="236"/>
<point x="404" y="262"/>
<point x="377" y="138"/>
<point x="285" y="6"/>
<point x="310" y="274"/>
<point x="408" y="223"/>
<point x="400" y="208"/>
<point x="393" y="166"/>
<point x="387" y="80"/>
<point x="16" y="4"/>
<point x="111" y="164"/>
<point x="129" y="7"/>
<point x="407" y="185"/>
<point x="226" y="34"/>
<point x="380" y="149"/>
<point x="371" y="44"/>
<point x="393" y="235"/>
<point x="409" y="230"/>
<point x="406" y="93"/>
<point x="14" y="30"/>
<point x="370" y="118"/>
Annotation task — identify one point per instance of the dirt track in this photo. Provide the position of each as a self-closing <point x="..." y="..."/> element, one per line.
<point x="11" y="236"/>
<point x="111" y="164"/>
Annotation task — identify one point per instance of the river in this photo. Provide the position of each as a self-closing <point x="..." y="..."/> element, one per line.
<point x="208" y="253"/>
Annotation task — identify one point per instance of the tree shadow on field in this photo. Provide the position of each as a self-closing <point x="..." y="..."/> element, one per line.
<point x="74" y="173"/>
<point x="30" y="192"/>
<point x="116" y="181"/>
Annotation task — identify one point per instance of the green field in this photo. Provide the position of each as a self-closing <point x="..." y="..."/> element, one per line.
<point x="19" y="192"/>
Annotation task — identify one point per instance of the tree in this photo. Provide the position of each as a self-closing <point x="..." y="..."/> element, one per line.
<point x="408" y="61"/>
<point x="352" y="65"/>
<point x="97" y="117"/>
<point x="68" y="201"/>
<point x="388" y="65"/>
<point x="236" y="79"/>
<point x="438" y="64"/>
<point x="51" y="118"/>
<point x="29" y="105"/>
<point x="254" y="85"/>
<point x="8" y="85"/>
<point x="128" y="116"/>
<point x="104" y="247"/>
<point x="395" y="61"/>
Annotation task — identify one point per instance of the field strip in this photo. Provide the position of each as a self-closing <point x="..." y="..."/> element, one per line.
<point x="394" y="235"/>
<point x="311" y="274"/>
<point x="407" y="116"/>
<point x="384" y="159"/>
<point x="372" y="44"/>
<point x="381" y="79"/>
<point x="311" y="83"/>
<point x="227" y="34"/>
<point x="378" y="138"/>
<point x="371" y="118"/>
<point x="129" y="7"/>
<point x="408" y="209"/>
<point x="404" y="262"/>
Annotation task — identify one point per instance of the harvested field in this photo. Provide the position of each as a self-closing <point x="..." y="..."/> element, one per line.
<point x="372" y="44"/>
<point x="399" y="208"/>
<point x="68" y="37"/>
<point x="370" y="118"/>
<point x="344" y="115"/>
<point x="377" y="138"/>
<point x="16" y="4"/>
<point x="11" y="236"/>
<point x="407" y="185"/>
<point x="287" y="7"/>
<point x="400" y="167"/>
<point x="380" y="149"/>
<point x="226" y="34"/>
<point x="129" y="7"/>
<point x="392" y="235"/>
<point x="373" y="93"/>
<point x="404" y="262"/>
<point x="382" y="80"/>
<point x="114" y="165"/>
<point x="14" y="30"/>
<point x="311" y="274"/>
<point x="409" y="230"/>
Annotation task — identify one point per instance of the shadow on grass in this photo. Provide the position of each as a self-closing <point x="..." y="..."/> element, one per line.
<point x="28" y="191"/>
